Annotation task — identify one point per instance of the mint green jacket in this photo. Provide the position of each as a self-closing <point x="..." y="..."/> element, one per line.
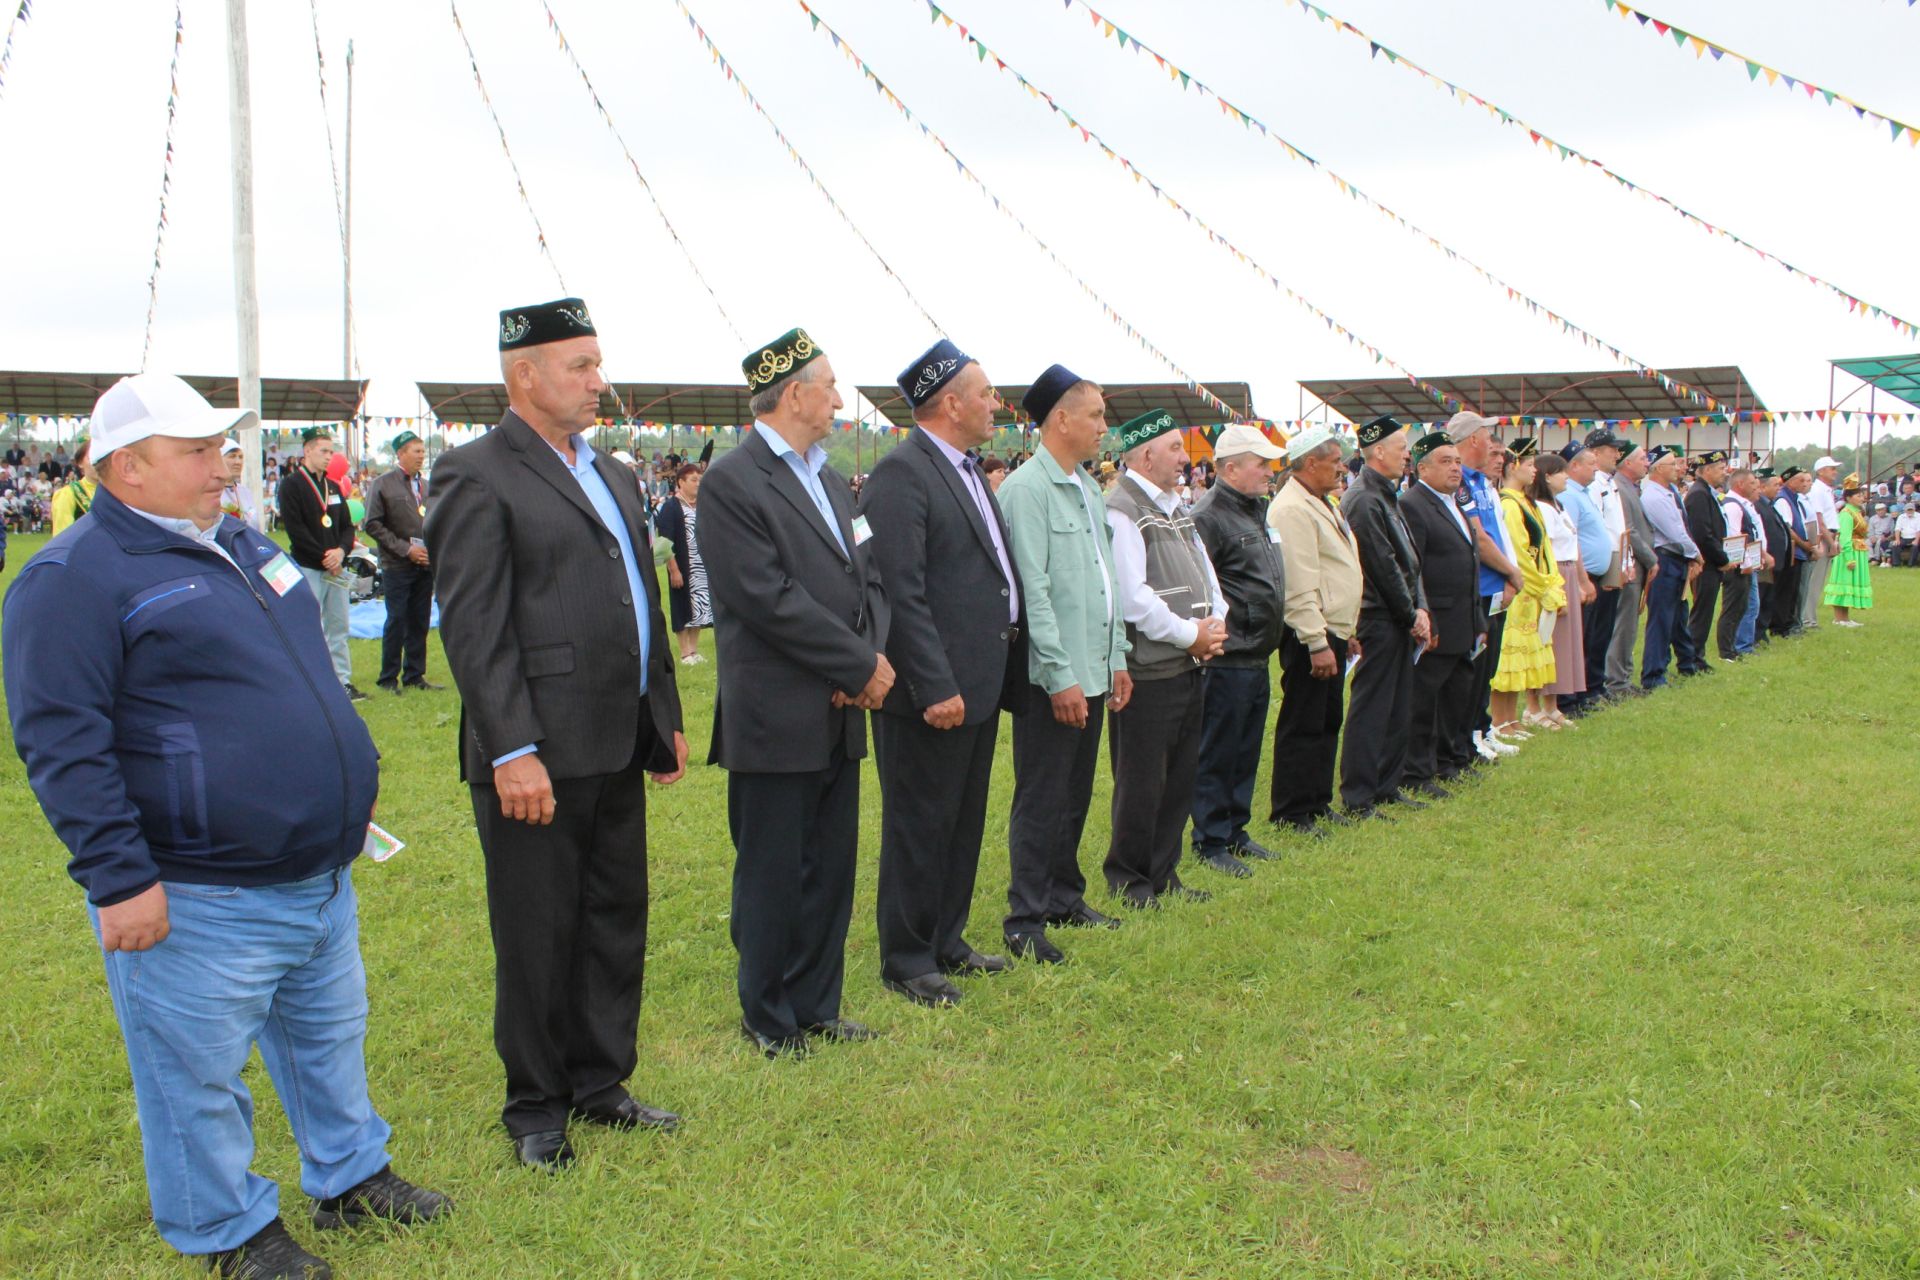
<point x="1076" y="634"/>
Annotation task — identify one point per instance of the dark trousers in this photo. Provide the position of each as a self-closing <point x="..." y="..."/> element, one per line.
<point x="1306" y="735"/>
<point x="1373" y="760"/>
<point x="1666" y="620"/>
<point x="795" y="836"/>
<point x="1734" y="587"/>
<point x="1597" y="619"/>
<point x="409" y="595"/>
<point x="1440" y="725"/>
<point x="1053" y="767"/>
<point x="1154" y="749"/>
<point x="1233" y="729"/>
<point x="1706" y="592"/>
<point x="1484" y="668"/>
<point x="933" y="813"/>
<point x="1783" y="613"/>
<point x="567" y="904"/>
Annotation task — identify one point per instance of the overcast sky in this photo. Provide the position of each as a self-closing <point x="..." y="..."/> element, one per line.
<point x="441" y="240"/>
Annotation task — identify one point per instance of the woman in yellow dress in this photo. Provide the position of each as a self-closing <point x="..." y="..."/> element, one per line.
<point x="73" y="499"/>
<point x="1526" y="663"/>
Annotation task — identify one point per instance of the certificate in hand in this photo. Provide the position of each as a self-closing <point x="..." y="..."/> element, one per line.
<point x="1734" y="548"/>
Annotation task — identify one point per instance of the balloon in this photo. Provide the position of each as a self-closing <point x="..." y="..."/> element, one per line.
<point x="357" y="509"/>
<point x="337" y="468"/>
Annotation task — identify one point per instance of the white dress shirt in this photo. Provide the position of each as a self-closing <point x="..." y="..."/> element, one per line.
<point x="1138" y="603"/>
<point x="1820" y="501"/>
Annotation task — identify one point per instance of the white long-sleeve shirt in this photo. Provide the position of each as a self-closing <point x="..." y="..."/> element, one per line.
<point x="1138" y="603"/>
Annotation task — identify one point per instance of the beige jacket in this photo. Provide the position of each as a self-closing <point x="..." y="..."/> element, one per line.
<point x="1323" y="568"/>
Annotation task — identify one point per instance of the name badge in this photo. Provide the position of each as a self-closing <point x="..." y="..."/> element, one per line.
<point x="861" y="531"/>
<point x="1273" y="535"/>
<point x="280" y="574"/>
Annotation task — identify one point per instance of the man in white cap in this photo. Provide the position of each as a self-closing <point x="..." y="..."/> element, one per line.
<point x="1479" y="499"/>
<point x="186" y="648"/>
<point x="1231" y="519"/>
<point x="237" y="499"/>
<point x="1825" y="505"/>
<point x="1321" y="613"/>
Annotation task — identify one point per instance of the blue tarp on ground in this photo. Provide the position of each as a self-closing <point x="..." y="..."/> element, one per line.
<point x="366" y="620"/>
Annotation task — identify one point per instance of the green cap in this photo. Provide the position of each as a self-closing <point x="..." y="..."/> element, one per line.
<point x="316" y="433"/>
<point x="402" y="440"/>
<point x="1150" y="425"/>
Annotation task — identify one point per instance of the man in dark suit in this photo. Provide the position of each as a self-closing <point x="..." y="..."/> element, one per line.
<point x="942" y="549"/>
<point x="396" y="520"/>
<point x="550" y="613"/>
<point x="799" y="622"/>
<point x="1393" y="623"/>
<point x="1440" y="743"/>
<point x="1707" y="526"/>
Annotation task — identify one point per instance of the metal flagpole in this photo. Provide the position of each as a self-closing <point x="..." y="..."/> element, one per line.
<point x="346" y="239"/>
<point x="246" y="296"/>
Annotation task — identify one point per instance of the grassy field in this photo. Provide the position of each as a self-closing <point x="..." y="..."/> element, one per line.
<point x="1641" y="1003"/>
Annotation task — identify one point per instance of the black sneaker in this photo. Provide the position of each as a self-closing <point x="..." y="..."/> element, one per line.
<point x="389" y="686"/>
<point x="385" y="1197"/>
<point x="354" y="695"/>
<point x="271" y="1254"/>
<point x="426" y="686"/>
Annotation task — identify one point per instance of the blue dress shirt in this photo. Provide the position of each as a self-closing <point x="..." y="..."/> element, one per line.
<point x="807" y="468"/>
<point x="594" y="486"/>
<point x="1596" y="545"/>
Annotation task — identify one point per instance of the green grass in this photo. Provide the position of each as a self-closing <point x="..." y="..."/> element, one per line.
<point x="1642" y="1003"/>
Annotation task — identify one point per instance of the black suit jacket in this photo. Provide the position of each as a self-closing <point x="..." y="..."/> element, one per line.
<point x="1387" y="561"/>
<point x="393" y="516"/>
<point x="794" y="617"/>
<point x="950" y="633"/>
<point x="536" y="612"/>
<point x="1449" y="569"/>
<point x="1706" y="523"/>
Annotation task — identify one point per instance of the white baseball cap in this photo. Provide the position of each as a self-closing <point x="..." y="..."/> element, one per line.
<point x="158" y="404"/>
<point x="1238" y="438"/>
<point x="229" y="445"/>
<point x="1825" y="462"/>
<point x="1309" y="440"/>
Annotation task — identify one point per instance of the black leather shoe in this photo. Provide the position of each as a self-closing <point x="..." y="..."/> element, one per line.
<point x="426" y="686"/>
<point x="976" y="964"/>
<point x="1140" y="897"/>
<point x="271" y="1254"/>
<point x="1247" y="847"/>
<point x="548" y="1150"/>
<point x="1035" y="947"/>
<point x="1226" y="864"/>
<point x="1431" y="790"/>
<point x="1304" y="827"/>
<point x="929" y="989"/>
<point x="775" y="1046"/>
<point x="843" y="1031"/>
<point x="628" y="1114"/>
<point x="389" y="685"/>
<point x="385" y="1197"/>
<point x="1406" y="801"/>
<point x="1181" y="891"/>
<point x="1085" y="917"/>
<point x="1335" y="818"/>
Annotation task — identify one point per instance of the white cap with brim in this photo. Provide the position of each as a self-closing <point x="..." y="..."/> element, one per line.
<point x="1826" y="462"/>
<point x="1464" y="423"/>
<point x="158" y="404"/>
<point x="1309" y="440"/>
<point x="1238" y="438"/>
<point x="229" y="445"/>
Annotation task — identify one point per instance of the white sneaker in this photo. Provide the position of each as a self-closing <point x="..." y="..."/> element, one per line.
<point x="1485" y="749"/>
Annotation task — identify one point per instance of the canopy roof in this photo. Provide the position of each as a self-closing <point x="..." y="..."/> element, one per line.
<point x="1599" y="393"/>
<point x="1124" y="400"/>
<point x="694" y="403"/>
<point x="1898" y="376"/>
<point x="72" y="395"/>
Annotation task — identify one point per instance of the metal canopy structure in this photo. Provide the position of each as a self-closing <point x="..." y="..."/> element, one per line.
<point x="1124" y="400"/>
<point x="1611" y="394"/>
<point x="692" y="403"/>
<point x="72" y="395"/>
<point x="1898" y="376"/>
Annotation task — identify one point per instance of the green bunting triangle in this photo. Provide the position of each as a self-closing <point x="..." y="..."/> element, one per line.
<point x="1753" y="71"/>
<point x="1679" y="37"/>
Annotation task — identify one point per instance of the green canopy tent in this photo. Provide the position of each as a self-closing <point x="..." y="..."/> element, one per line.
<point x="1898" y="376"/>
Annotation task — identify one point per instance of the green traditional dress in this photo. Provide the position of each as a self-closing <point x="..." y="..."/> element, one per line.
<point x="1848" y="585"/>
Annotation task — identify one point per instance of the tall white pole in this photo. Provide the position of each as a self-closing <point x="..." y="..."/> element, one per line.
<point x="246" y="296"/>
<point x="346" y="237"/>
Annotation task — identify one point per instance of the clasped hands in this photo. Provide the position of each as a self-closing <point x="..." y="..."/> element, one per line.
<point x="875" y="692"/>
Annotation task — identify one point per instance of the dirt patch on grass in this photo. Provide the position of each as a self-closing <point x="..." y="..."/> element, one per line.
<point x="1344" y="1171"/>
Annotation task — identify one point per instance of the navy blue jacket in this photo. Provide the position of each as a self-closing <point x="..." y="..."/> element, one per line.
<point x="178" y="716"/>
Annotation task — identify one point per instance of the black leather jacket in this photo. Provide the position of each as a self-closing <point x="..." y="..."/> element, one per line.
<point x="1387" y="558"/>
<point x="1252" y="574"/>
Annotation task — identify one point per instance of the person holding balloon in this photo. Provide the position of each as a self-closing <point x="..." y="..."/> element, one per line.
<point x="320" y="530"/>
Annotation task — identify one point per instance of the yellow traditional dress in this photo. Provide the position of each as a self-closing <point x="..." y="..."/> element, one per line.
<point x="70" y="502"/>
<point x="1526" y="663"/>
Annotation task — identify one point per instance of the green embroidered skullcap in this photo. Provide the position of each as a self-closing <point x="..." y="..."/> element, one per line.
<point x="1427" y="443"/>
<point x="786" y="354"/>
<point x="1150" y="425"/>
<point x="402" y="440"/>
<point x="316" y="433"/>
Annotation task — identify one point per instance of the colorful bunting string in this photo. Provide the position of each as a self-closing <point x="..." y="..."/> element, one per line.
<point x="1352" y="190"/>
<point x="14" y="23"/>
<point x="961" y="167"/>
<point x="518" y="181"/>
<point x="1755" y="69"/>
<point x="601" y="107"/>
<point x="1906" y="328"/>
<point x="793" y="153"/>
<point x="166" y="181"/>
<point x="333" y="164"/>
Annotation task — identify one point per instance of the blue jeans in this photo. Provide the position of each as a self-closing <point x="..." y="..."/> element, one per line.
<point x="1233" y="729"/>
<point x="1743" y="636"/>
<point x="1666" y="620"/>
<point x="278" y="966"/>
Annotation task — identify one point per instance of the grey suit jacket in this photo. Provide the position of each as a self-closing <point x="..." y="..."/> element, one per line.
<point x="1639" y="528"/>
<point x="536" y="611"/>
<point x="795" y="618"/>
<point x="950" y="631"/>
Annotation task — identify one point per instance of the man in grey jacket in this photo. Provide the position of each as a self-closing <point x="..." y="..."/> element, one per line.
<point x="1634" y="575"/>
